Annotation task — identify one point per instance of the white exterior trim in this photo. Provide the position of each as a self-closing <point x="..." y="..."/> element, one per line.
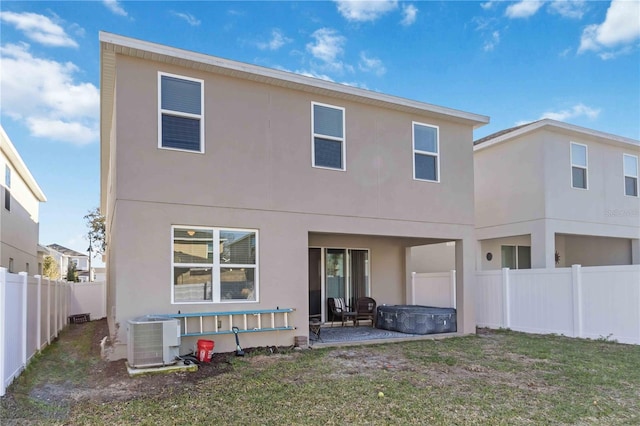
<point x="215" y="266"/>
<point x="582" y="131"/>
<point x="625" y="175"/>
<point x="343" y="140"/>
<point x="161" y="111"/>
<point x="585" y="167"/>
<point x="428" y="153"/>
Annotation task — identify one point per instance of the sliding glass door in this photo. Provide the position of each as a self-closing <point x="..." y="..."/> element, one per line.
<point x="337" y="272"/>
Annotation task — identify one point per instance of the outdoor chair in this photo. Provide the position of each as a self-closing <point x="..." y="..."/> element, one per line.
<point x="339" y="309"/>
<point x="366" y="309"/>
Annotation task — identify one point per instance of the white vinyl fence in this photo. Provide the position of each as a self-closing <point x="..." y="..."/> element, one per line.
<point x="590" y="302"/>
<point x="433" y="289"/>
<point x="33" y="310"/>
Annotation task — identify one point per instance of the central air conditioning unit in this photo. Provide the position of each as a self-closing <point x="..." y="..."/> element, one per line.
<point x="153" y="341"/>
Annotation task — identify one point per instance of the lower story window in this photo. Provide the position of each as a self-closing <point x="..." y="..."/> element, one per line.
<point x="516" y="257"/>
<point x="214" y="265"/>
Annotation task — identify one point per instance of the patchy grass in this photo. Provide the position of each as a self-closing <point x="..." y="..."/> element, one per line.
<point x="496" y="377"/>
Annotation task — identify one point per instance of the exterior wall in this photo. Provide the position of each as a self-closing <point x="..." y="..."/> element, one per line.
<point x="593" y="251"/>
<point x="493" y="246"/>
<point x="604" y="201"/>
<point x="256" y="173"/>
<point x="509" y="183"/>
<point x="433" y="258"/>
<point x="548" y="205"/>
<point x="19" y="227"/>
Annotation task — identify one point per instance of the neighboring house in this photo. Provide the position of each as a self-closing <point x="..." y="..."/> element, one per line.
<point x="551" y="194"/>
<point x="65" y="256"/>
<point x="19" y="214"/>
<point x="229" y="187"/>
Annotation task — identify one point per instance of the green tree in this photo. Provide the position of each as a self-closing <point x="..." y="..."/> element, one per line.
<point x="50" y="268"/>
<point x="96" y="235"/>
<point x="72" y="273"/>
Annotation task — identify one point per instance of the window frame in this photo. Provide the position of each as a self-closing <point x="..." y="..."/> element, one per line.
<point x="625" y="176"/>
<point x="585" y="167"/>
<point x="216" y="266"/>
<point x="175" y="113"/>
<point x="425" y="153"/>
<point x="7" y="187"/>
<point x="516" y="255"/>
<point x="342" y="140"/>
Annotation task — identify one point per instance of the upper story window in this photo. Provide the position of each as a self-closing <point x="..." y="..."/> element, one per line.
<point x="181" y="112"/>
<point x="630" y="175"/>
<point x="7" y="187"/>
<point x="579" y="161"/>
<point x="214" y="265"/>
<point x="426" y="148"/>
<point x="328" y="141"/>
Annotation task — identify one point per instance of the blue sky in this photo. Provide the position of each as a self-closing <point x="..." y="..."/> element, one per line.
<point x="575" y="61"/>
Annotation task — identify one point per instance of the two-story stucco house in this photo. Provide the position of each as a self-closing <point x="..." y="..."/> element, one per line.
<point x="551" y="194"/>
<point x="228" y="186"/>
<point x="19" y="221"/>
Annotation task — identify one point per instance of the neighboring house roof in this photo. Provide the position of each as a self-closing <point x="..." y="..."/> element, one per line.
<point x="66" y="251"/>
<point x="16" y="161"/>
<point x="112" y="44"/>
<point x="513" y="132"/>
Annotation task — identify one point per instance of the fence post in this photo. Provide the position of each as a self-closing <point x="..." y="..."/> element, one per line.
<point x="39" y="313"/>
<point x="413" y="288"/>
<point x="48" y="310"/>
<point x="576" y="288"/>
<point x="3" y="324"/>
<point x="453" y="289"/>
<point x="24" y="278"/>
<point x="56" y="297"/>
<point x="506" y="302"/>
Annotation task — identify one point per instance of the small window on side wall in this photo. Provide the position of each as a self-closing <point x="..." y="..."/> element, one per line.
<point x="181" y="112"/>
<point x="426" y="152"/>
<point x="630" y="175"/>
<point x="328" y="141"/>
<point x="579" y="161"/>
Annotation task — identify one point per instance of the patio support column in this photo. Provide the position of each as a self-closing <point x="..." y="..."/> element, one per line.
<point x="543" y="246"/>
<point x="635" y="251"/>
<point x="465" y="281"/>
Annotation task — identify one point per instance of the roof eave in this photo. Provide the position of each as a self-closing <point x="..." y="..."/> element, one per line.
<point x="140" y="48"/>
<point x="21" y="168"/>
<point x="602" y="136"/>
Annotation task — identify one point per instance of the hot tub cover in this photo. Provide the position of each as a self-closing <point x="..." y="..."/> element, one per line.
<point x="416" y="319"/>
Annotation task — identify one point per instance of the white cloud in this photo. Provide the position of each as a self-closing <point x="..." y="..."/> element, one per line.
<point x="573" y="9"/>
<point x="490" y="44"/>
<point x="39" y="28"/>
<point x="488" y="5"/>
<point x="409" y="12"/>
<point x="614" y="36"/>
<point x="363" y="11"/>
<point x="114" y="6"/>
<point x="523" y="9"/>
<point x="277" y="41"/>
<point x="189" y="18"/>
<point x="373" y="65"/>
<point x="578" y="110"/>
<point x="328" y="47"/>
<point x="44" y="95"/>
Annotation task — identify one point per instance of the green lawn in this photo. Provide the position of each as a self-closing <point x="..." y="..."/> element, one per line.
<point x="496" y="377"/>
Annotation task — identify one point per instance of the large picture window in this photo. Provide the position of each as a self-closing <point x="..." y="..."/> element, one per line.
<point x="579" y="161"/>
<point x="214" y="265"/>
<point x="426" y="148"/>
<point x="328" y="150"/>
<point x="180" y="124"/>
<point x="630" y="175"/>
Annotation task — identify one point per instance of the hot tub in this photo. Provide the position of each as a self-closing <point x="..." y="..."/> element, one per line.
<point x="416" y="319"/>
